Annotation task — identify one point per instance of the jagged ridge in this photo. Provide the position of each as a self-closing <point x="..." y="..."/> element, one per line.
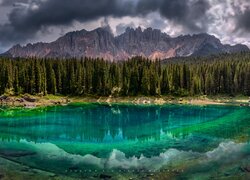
<point x="150" y="43"/>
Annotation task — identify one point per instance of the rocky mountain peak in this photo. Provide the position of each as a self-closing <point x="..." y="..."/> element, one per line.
<point x="150" y="43"/>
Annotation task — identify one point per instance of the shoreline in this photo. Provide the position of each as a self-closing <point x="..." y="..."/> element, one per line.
<point x="29" y="101"/>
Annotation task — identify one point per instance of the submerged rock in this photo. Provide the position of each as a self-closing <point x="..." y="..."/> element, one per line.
<point x="25" y="169"/>
<point x="245" y="169"/>
<point x="104" y="176"/>
<point x="11" y="153"/>
<point x="74" y="168"/>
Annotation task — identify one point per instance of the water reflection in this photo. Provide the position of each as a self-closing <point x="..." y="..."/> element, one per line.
<point x="118" y="123"/>
<point x="101" y="137"/>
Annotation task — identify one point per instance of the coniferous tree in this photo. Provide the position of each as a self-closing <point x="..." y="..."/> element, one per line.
<point x="224" y="74"/>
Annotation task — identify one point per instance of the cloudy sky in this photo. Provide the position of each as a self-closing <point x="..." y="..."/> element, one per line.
<point x="24" y="21"/>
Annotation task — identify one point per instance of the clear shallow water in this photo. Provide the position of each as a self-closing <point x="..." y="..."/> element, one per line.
<point x="82" y="140"/>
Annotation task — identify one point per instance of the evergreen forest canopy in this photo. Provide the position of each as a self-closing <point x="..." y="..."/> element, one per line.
<point x="222" y="74"/>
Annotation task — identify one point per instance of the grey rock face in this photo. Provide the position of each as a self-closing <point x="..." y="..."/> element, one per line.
<point x="150" y="43"/>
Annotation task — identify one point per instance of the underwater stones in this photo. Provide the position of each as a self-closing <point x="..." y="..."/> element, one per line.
<point x="25" y="169"/>
<point x="204" y="140"/>
<point x="53" y="176"/>
<point x="150" y="175"/>
<point x="1" y="176"/>
<point x="13" y="153"/>
<point x="245" y="169"/>
<point x="74" y="168"/>
<point x="104" y="176"/>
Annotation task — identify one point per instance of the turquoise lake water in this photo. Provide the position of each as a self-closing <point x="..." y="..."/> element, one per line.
<point x="84" y="140"/>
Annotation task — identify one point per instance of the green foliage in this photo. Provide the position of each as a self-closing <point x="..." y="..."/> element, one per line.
<point x="223" y="74"/>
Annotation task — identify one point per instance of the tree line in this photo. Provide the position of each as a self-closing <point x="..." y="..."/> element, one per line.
<point x="223" y="74"/>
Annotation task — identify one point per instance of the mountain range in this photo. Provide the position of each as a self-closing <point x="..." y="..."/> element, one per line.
<point x="149" y="43"/>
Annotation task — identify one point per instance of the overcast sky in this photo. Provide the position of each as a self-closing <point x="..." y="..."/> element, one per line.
<point x="24" y="21"/>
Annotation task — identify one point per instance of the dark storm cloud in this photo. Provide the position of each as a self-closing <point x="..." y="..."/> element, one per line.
<point x="171" y="9"/>
<point x="244" y="20"/>
<point x="186" y="13"/>
<point x="26" y="19"/>
<point x="12" y="2"/>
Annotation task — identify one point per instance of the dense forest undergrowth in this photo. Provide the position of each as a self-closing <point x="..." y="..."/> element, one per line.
<point x="223" y="74"/>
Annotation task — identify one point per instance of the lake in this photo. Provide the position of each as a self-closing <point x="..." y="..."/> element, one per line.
<point x="132" y="141"/>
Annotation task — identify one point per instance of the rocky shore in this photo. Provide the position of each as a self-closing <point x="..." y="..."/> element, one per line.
<point x="29" y="101"/>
